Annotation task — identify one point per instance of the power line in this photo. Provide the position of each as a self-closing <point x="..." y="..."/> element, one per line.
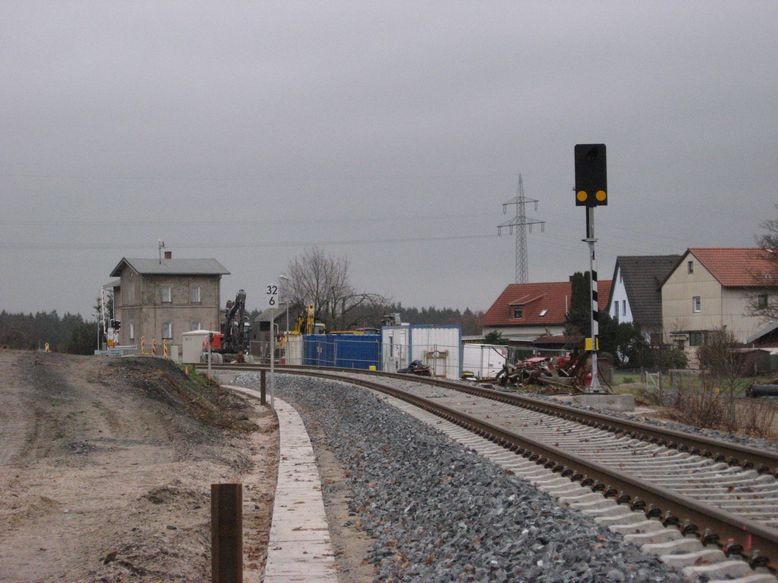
<point x="275" y="244"/>
<point x="238" y="221"/>
<point x="254" y="178"/>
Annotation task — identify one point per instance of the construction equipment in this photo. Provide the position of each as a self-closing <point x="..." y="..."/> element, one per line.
<point x="236" y="328"/>
<point x="306" y="323"/>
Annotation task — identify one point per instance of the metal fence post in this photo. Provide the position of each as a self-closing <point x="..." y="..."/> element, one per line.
<point x="227" y="533"/>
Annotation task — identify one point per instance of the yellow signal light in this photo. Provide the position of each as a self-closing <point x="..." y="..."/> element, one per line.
<point x="581" y="195"/>
<point x="601" y="195"/>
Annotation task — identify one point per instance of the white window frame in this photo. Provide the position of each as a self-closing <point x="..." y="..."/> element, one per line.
<point x="623" y="307"/>
<point x="197" y="326"/>
<point x="167" y="330"/>
<point x="520" y="311"/>
<point x="696" y="304"/>
<point x="169" y="295"/>
<point x="196" y="295"/>
<point x="132" y="331"/>
<point x="690" y="267"/>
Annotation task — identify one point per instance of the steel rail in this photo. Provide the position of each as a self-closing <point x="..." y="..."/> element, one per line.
<point x="718" y="450"/>
<point x="712" y="524"/>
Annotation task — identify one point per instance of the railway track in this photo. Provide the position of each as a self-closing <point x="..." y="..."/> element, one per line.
<point x="685" y="488"/>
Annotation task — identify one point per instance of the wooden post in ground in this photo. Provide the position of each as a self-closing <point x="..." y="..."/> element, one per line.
<point x="227" y="533"/>
<point x="262" y="387"/>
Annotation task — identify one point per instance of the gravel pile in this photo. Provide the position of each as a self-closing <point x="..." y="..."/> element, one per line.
<point x="439" y="512"/>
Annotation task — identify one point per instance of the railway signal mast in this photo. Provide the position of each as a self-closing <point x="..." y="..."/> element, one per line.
<point x="591" y="190"/>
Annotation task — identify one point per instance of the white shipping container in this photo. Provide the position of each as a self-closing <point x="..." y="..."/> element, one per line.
<point x="484" y="360"/>
<point x="439" y="347"/>
<point x="394" y="348"/>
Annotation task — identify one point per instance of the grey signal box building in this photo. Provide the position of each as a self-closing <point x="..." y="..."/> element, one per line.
<point x="162" y="299"/>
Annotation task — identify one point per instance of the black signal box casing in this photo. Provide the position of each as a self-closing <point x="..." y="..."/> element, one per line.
<point x="590" y="175"/>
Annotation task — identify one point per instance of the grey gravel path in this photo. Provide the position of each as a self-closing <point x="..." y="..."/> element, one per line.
<point x="440" y="512"/>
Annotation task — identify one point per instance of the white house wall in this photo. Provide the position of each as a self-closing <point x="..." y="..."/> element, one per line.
<point x="721" y="306"/>
<point x="619" y="300"/>
<point x="677" y="293"/>
<point x="736" y="303"/>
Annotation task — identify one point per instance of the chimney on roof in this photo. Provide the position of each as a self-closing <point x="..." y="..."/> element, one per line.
<point x="168" y="255"/>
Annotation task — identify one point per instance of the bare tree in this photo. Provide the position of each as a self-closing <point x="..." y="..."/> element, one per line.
<point x="766" y="304"/>
<point x="322" y="280"/>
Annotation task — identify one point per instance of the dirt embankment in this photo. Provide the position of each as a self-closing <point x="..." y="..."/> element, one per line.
<point x="106" y="466"/>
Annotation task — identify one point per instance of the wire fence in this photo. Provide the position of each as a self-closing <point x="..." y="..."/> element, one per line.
<point x="370" y="352"/>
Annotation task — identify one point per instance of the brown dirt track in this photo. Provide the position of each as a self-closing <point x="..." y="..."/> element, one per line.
<point x="106" y="466"/>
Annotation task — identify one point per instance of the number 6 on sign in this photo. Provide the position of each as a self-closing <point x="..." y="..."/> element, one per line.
<point x="272" y="295"/>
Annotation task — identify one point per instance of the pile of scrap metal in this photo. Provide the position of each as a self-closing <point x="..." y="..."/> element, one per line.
<point x="571" y="372"/>
<point x="525" y="372"/>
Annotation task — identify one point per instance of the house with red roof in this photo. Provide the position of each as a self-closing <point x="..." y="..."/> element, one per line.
<point x="714" y="288"/>
<point x="524" y="312"/>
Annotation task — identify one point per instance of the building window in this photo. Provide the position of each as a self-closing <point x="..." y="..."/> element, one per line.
<point x="196" y="326"/>
<point x="696" y="338"/>
<point x="130" y="293"/>
<point x="690" y="266"/>
<point x="196" y="295"/>
<point x="696" y="304"/>
<point x="132" y="331"/>
<point x="167" y="330"/>
<point x="623" y="307"/>
<point x="761" y="301"/>
<point x="517" y="312"/>
<point x="167" y="294"/>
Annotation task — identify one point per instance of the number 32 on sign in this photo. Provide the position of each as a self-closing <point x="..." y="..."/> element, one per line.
<point x="271" y="291"/>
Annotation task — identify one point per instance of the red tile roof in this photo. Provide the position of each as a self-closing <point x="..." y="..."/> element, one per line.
<point x="738" y="267"/>
<point x="534" y="298"/>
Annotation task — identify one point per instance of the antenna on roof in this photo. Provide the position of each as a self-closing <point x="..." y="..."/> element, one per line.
<point x="160" y="247"/>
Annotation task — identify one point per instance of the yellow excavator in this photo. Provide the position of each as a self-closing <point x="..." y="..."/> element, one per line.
<point x="306" y="323"/>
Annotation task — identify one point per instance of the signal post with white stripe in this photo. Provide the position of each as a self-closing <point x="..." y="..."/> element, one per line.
<point x="591" y="190"/>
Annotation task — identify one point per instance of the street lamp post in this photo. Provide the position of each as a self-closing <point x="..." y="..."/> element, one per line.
<point x="286" y="301"/>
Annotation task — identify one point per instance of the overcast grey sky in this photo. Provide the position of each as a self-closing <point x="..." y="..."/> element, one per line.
<point x="389" y="132"/>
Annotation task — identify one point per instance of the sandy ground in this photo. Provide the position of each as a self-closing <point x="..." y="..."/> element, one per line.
<point x="106" y="466"/>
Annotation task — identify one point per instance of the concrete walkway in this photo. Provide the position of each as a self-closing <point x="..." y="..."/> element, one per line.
<point x="299" y="547"/>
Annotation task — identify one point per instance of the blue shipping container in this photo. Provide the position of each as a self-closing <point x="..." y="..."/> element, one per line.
<point x="359" y="351"/>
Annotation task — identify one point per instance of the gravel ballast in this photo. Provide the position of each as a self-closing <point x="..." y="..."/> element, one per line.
<point x="437" y="511"/>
